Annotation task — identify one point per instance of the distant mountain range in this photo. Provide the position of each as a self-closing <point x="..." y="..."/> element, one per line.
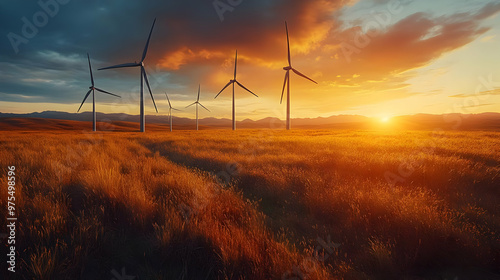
<point x="483" y="121"/>
<point x="209" y="122"/>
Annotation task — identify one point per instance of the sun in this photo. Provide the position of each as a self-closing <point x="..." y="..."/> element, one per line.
<point x="385" y="119"/>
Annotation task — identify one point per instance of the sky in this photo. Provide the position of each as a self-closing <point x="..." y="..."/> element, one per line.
<point x="377" y="58"/>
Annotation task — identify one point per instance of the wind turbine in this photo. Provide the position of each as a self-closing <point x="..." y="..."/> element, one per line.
<point x="233" y="81"/>
<point x="287" y="81"/>
<point x="170" y="111"/>
<point x="93" y="89"/>
<point x="144" y="77"/>
<point x="197" y="103"/>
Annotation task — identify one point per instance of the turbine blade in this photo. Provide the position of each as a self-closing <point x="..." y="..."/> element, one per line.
<point x="288" y="44"/>
<point x="150" y="92"/>
<point x="223" y="89"/>
<point x="204" y="107"/>
<point x="147" y="43"/>
<point x="302" y="75"/>
<point x="246" y="88"/>
<point x="103" y="91"/>
<point x="169" y="105"/>
<point x="175" y="109"/>
<point x="87" y="95"/>
<point x="284" y="84"/>
<point x="191" y="104"/>
<point x="199" y="88"/>
<point x="235" y="63"/>
<point x="90" y="68"/>
<point x="121" y="66"/>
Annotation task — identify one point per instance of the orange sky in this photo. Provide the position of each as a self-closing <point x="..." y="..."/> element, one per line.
<point x="374" y="58"/>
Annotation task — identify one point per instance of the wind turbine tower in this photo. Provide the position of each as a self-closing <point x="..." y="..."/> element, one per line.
<point x="170" y="111"/>
<point x="232" y="82"/>
<point x="93" y="89"/>
<point x="144" y="77"/>
<point x="197" y="103"/>
<point x="287" y="81"/>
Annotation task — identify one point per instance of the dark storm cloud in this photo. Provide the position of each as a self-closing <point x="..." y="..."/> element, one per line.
<point x="115" y="29"/>
<point x="53" y="36"/>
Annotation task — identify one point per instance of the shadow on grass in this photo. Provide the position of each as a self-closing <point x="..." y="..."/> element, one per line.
<point x="103" y="234"/>
<point x="274" y="204"/>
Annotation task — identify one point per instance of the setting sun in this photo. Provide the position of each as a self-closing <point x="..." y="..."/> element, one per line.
<point x="385" y="119"/>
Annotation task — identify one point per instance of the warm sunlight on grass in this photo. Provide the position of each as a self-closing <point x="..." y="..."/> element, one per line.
<point x="253" y="204"/>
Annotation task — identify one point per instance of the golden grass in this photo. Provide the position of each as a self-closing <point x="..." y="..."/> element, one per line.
<point x="253" y="204"/>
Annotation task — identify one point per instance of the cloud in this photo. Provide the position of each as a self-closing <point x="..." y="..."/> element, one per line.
<point x="410" y="43"/>
<point x="478" y="105"/>
<point x="391" y="57"/>
<point x="185" y="55"/>
<point x="488" y="38"/>
<point x="482" y="94"/>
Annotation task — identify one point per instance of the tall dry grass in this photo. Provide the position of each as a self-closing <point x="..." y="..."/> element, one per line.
<point x="253" y="204"/>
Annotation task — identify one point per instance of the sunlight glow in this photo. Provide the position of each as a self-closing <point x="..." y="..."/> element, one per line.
<point x="385" y="119"/>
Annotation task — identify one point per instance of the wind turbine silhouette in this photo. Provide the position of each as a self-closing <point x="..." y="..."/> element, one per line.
<point x="197" y="103"/>
<point x="144" y="77"/>
<point x="233" y="81"/>
<point x="93" y="89"/>
<point x="170" y="111"/>
<point x="287" y="80"/>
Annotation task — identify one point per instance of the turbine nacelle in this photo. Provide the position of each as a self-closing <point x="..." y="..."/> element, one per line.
<point x="287" y="68"/>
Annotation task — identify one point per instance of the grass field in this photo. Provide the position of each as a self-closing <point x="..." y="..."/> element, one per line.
<point x="255" y="204"/>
